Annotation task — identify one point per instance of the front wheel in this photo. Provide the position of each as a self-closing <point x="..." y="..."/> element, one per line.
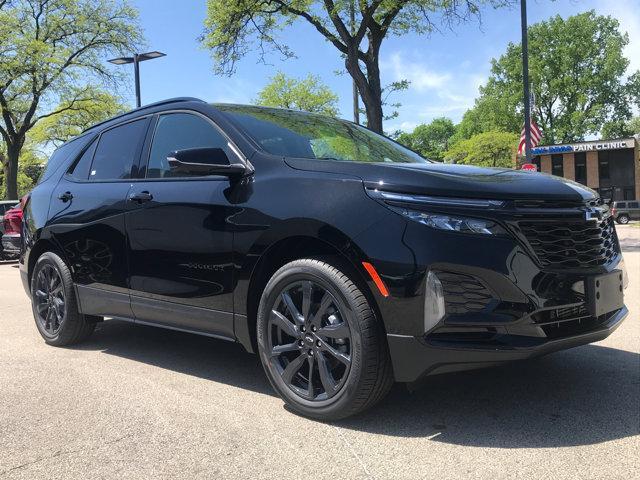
<point x="320" y="343"/>
<point x="623" y="219"/>
<point x="54" y="304"/>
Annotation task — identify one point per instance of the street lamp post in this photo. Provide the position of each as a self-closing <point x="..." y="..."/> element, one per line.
<point x="136" y="59"/>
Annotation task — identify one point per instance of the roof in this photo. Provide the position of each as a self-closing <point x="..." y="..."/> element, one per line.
<point x="144" y="107"/>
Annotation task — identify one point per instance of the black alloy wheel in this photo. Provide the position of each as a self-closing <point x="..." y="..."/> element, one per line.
<point x="49" y="298"/>
<point x="54" y="303"/>
<point x="320" y="343"/>
<point x="309" y="341"/>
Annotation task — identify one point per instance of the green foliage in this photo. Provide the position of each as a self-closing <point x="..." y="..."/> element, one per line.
<point x="577" y="70"/>
<point x="234" y="28"/>
<point x="488" y="149"/>
<point x="619" y="128"/>
<point x="72" y="120"/>
<point x="52" y="60"/>
<point x="430" y="140"/>
<point x="308" y="94"/>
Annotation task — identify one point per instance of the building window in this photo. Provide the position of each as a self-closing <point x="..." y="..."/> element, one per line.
<point x="536" y="162"/>
<point x="557" y="167"/>
<point x="581" y="167"/>
<point x="629" y="193"/>
<point x="603" y="165"/>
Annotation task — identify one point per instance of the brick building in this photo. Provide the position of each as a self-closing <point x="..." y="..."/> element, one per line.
<point x="611" y="167"/>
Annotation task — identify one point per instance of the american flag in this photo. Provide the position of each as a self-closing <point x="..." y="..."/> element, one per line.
<point x="536" y="135"/>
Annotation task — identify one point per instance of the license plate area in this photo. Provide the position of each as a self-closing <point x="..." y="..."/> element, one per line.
<point x="605" y="293"/>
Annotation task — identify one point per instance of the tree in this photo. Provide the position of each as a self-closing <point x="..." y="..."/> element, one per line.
<point x="70" y="122"/>
<point x="233" y="28"/>
<point x="308" y="94"/>
<point x="619" y="129"/>
<point x="430" y="140"/>
<point x="487" y="149"/>
<point x="52" y="52"/>
<point x="577" y="72"/>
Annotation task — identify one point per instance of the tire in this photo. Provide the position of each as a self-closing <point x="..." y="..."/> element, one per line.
<point x="336" y="304"/>
<point x="623" y="219"/>
<point x="72" y="326"/>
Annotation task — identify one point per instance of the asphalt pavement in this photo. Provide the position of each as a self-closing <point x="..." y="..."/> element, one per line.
<point x="138" y="402"/>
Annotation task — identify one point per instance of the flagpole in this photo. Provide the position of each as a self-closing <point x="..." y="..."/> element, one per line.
<point x="525" y="81"/>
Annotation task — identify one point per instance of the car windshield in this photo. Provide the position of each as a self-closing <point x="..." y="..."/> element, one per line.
<point x="306" y="135"/>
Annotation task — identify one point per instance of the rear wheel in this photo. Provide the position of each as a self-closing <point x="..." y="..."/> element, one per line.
<point x="320" y="344"/>
<point x="623" y="219"/>
<point x="54" y="304"/>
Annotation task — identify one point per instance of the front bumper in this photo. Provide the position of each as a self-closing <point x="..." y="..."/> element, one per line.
<point x="415" y="357"/>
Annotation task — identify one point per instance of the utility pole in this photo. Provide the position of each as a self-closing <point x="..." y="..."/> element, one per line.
<point x="525" y="81"/>
<point x="356" y="102"/>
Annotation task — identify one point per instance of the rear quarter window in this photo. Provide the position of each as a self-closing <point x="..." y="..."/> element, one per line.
<point x="633" y="205"/>
<point x="63" y="156"/>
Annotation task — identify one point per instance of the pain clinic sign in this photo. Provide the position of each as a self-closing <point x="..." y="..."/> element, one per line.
<point x="584" y="147"/>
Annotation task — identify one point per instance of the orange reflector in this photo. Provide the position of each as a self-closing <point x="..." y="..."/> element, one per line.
<point x="376" y="278"/>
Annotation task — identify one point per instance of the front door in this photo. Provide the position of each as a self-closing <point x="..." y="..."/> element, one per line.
<point x="180" y="241"/>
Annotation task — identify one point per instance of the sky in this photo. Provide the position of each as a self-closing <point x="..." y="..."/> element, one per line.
<point x="445" y="69"/>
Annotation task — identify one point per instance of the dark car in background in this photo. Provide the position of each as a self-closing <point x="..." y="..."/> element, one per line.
<point x="5" y="205"/>
<point x="345" y="260"/>
<point x="624" y="212"/>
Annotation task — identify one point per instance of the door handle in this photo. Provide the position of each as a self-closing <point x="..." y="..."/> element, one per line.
<point x="65" y="197"/>
<point x="140" y="197"/>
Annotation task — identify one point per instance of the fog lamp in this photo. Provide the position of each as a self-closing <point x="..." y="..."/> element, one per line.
<point x="433" y="302"/>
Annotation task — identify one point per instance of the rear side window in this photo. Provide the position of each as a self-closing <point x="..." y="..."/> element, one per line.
<point x="80" y="170"/>
<point x="60" y="157"/>
<point x="180" y="131"/>
<point x="621" y="205"/>
<point x="117" y="151"/>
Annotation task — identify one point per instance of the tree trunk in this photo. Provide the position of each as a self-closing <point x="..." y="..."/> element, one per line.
<point x="369" y="89"/>
<point x="11" y="173"/>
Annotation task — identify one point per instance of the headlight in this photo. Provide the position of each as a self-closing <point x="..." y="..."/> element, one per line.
<point x="453" y="223"/>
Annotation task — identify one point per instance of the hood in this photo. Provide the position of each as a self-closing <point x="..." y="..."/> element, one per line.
<point x="453" y="180"/>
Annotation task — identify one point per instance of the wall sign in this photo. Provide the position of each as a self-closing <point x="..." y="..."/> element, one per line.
<point x="584" y="147"/>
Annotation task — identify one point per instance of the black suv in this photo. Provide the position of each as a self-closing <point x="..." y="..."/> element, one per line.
<point x="345" y="260"/>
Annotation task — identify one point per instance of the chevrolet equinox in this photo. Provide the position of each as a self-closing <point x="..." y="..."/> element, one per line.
<point x="344" y="260"/>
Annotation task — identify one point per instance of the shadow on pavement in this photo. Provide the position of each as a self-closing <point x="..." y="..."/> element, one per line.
<point x="587" y="395"/>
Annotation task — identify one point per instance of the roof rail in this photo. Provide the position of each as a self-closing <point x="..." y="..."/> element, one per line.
<point x="155" y="104"/>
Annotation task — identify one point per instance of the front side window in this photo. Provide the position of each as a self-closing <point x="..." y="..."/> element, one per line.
<point x="117" y="151"/>
<point x="181" y="131"/>
<point x="305" y="135"/>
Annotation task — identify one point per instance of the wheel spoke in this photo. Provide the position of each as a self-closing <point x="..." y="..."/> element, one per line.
<point x="284" y="324"/>
<point x="310" y="361"/>
<point x="42" y="306"/>
<point x="339" y="330"/>
<point x="306" y="299"/>
<point x="325" y="303"/>
<point x="40" y="294"/>
<point x="292" y="368"/>
<point x="293" y="310"/>
<point x="336" y="354"/>
<point x="280" y="349"/>
<point x="328" y="383"/>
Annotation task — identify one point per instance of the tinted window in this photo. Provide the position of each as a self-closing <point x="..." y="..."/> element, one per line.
<point x="603" y="165"/>
<point x="621" y="205"/>
<point x="557" y="166"/>
<point x="580" y="162"/>
<point x="299" y="134"/>
<point x="180" y="131"/>
<point x="633" y="205"/>
<point x="61" y="155"/>
<point x="80" y="170"/>
<point x="117" y="151"/>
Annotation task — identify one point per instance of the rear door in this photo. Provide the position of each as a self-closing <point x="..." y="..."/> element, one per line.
<point x="87" y="218"/>
<point x="180" y="236"/>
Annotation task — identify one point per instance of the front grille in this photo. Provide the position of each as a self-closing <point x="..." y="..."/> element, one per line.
<point x="569" y="321"/>
<point x="571" y="244"/>
<point x="463" y="293"/>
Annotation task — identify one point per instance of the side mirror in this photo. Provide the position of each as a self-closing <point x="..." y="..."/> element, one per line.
<point x="204" y="161"/>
